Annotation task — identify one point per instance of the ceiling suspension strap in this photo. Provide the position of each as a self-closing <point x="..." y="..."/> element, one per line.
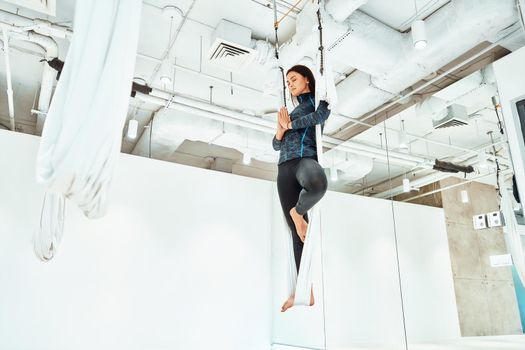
<point x="321" y="47"/>
<point x="276" y="28"/>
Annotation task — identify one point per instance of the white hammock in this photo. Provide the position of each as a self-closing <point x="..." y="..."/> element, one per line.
<point x="300" y="283"/>
<point x="82" y="134"/>
<point x="512" y="233"/>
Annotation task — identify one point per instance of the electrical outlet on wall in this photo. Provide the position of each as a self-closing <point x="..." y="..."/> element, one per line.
<point x="480" y="221"/>
<point x="495" y="219"/>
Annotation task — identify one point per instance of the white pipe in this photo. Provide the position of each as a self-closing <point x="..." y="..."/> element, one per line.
<point x="422" y="181"/>
<point x="428" y="179"/>
<point x="223" y="114"/>
<point x="207" y="76"/>
<point x="205" y="113"/>
<point x="270" y="126"/>
<point x="10" y="102"/>
<point x="341" y="9"/>
<point x="37" y="25"/>
<point x="505" y="172"/>
<point x="48" y="74"/>
<point x="473" y="18"/>
<point x="387" y="62"/>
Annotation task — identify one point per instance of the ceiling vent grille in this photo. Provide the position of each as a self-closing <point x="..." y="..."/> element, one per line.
<point x="47" y="7"/>
<point x="230" y="49"/>
<point x="456" y="116"/>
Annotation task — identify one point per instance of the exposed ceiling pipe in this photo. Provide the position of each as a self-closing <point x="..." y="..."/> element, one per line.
<point x="48" y="74"/>
<point x="505" y="172"/>
<point x="177" y="105"/>
<point x="480" y="85"/>
<point x="403" y="98"/>
<point x="31" y="49"/>
<point x="207" y="76"/>
<point x="10" y="102"/>
<point x="330" y="142"/>
<point x="341" y="9"/>
<point x="435" y="176"/>
<point x="170" y="130"/>
<point x="474" y="19"/>
<point x="37" y="25"/>
<point x="223" y="114"/>
<point x="387" y="63"/>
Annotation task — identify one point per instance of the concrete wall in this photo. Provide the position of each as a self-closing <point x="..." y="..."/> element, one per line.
<point x="485" y="295"/>
<point x="486" y="300"/>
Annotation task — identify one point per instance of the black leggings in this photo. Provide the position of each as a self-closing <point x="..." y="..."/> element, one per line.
<point x="301" y="184"/>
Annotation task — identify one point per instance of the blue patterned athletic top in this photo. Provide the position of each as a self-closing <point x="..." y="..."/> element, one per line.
<point x="299" y="141"/>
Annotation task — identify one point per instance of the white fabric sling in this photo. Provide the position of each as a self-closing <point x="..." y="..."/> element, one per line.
<point x="300" y="283"/>
<point x="513" y="235"/>
<point x="82" y="134"/>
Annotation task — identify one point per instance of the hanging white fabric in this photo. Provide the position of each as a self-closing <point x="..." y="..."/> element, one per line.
<point x="512" y="233"/>
<point x="300" y="284"/>
<point x="82" y="134"/>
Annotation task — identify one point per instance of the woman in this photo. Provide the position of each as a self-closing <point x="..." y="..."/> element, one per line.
<point x="301" y="181"/>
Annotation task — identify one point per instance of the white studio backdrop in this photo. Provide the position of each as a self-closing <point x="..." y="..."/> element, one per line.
<point x="362" y="292"/>
<point x="181" y="261"/>
<point x="191" y="258"/>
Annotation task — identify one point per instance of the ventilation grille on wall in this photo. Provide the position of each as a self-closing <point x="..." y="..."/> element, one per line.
<point x="47" y="7"/>
<point x="230" y="47"/>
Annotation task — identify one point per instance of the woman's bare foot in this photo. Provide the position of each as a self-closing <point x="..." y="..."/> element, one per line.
<point x="289" y="302"/>
<point x="300" y="223"/>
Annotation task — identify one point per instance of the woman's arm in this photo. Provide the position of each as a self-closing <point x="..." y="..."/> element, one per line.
<point x="276" y="143"/>
<point x="319" y="116"/>
<point x="279" y="134"/>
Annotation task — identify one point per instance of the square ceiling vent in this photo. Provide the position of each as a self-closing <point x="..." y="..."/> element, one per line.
<point x="230" y="49"/>
<point x="456" y="116"/>
<point x="47" y="7"/>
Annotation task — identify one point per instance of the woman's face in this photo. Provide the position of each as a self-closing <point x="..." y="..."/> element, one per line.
<point x="297" y="84"/>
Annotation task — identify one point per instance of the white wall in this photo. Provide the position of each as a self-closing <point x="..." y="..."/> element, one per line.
<point x="362" y="289"/>
<point x="182" y="261"/>
<point x="510" y="73"/>
<point x="426" y="273"/>
<point x="193" y="259"/>
<point x="362" y="293"/>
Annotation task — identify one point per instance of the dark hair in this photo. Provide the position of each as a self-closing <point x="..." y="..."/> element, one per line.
<point x="305" y="72"/>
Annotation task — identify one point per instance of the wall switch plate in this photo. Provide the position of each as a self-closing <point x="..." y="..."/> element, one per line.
<point x="495" y="219"/>
<point x="500" y="260"/>
<point x="480" y="221"/>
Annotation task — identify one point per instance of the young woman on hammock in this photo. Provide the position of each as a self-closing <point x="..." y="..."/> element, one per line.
<point x="301" y="181"/>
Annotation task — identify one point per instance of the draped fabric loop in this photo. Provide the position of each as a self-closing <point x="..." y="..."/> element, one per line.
<point x="513" y="233"/>
<point x="82" y="134"/>
<point x="300" y="284"/>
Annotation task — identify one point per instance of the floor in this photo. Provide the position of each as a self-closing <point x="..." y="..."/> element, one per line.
<point x="509" y="342"/>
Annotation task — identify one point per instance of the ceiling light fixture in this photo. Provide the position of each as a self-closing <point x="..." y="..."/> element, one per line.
<point x="406" y="185"/>
<point x="133" y="126"/>
<point x="403" y="138"/>
<point x="464" y="196"/>
<point x="246" y="158"/>
<point x="482" y="159"/>
<point x="333" y="174"/>
<point x="165" y="72"/>
<point x="419" y="32"/>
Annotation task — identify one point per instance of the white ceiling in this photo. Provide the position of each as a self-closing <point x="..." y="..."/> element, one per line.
<point x="191" y="47"/>
<point x="400" y="14"/>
